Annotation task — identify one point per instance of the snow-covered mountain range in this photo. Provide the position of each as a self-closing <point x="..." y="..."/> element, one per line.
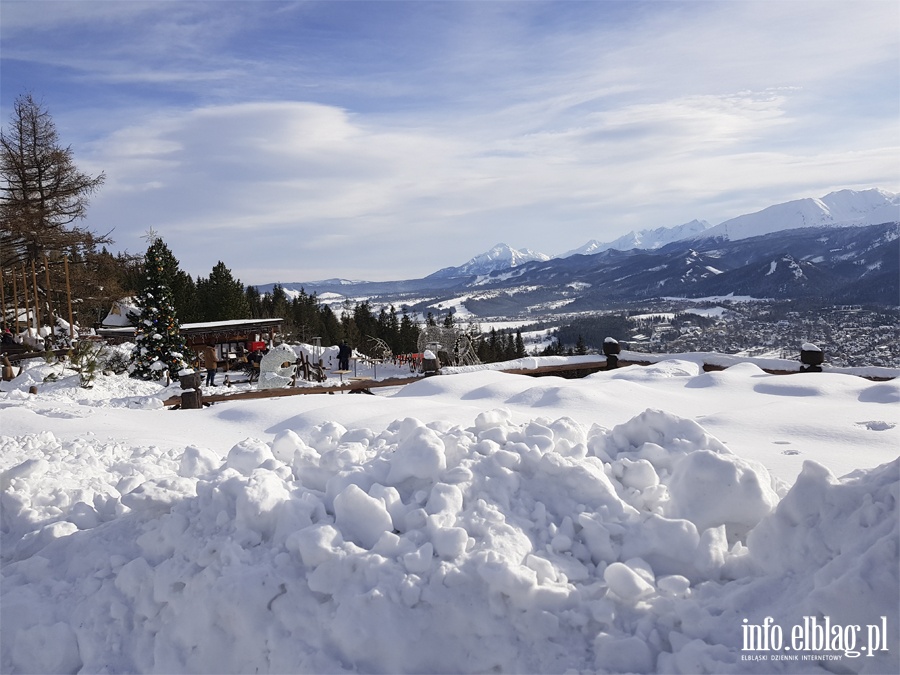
<point x="832" y="265"/>
<point x="836" y="209"/>
<point x="645" y="239"/>
<point x="845" y="244"/>
<point x="843" y="208"/>
<point x="500" y="257"/>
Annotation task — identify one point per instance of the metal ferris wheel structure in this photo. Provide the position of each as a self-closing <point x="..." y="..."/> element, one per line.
<point x="455" y="346"/>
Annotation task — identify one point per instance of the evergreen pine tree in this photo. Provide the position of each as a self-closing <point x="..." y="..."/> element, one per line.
<point x="159" y="347"/>
<point x="509" y="347"/>
<point x="331" y="327"/>
<point x="222" y="297"/>
<point x="409" y="335"/>
<point x="520" y="346"/>
<point x="580" y="347"/>
<point x="179" y="282"/>
<point x="254" y="302"/>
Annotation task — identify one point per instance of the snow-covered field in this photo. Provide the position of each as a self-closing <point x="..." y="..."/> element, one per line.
<point x="649" y="519"/>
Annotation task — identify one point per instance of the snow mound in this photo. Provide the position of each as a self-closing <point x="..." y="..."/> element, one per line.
<point x="537" y="546"/>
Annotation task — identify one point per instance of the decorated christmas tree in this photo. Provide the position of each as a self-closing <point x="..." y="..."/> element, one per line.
<point x="159" y="347"/>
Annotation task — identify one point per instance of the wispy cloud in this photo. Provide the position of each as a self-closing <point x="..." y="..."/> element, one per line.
<point x="386" y="139"/>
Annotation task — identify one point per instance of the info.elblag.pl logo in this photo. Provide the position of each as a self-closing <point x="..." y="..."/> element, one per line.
<point x="815" y="638"/>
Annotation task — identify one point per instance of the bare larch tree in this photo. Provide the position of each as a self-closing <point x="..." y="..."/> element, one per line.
<point x="43" y="195"/>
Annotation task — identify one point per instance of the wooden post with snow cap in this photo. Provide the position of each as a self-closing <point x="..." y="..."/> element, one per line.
<point x="191" y="399"/>
<point x="812" y="358"/>
<point x="611" y="349"/>
<point x="430" y="362"/>
<point x="192" y="396"/>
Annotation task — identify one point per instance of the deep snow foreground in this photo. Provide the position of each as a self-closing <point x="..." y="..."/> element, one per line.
<point x="479" y="522"/>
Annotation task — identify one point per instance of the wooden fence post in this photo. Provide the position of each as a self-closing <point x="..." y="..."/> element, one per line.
<point x="37" y="302"/>
<point x="3" y="298"/>
<point x="49" y="301"/>
<point x="15" y="300"/>
<point x="8" y="373"/>
<point x="27" y="302"/>
<point x="69" y="298"/>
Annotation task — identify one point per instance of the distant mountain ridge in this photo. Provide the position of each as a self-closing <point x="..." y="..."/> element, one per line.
<point x="830" y="265"/>
<point x="843" y="247"/>
<point x="844" y="208"/>
<point x="826" y="265"/>
<point x="500" y="257"/>
<point x="645" y="239"/>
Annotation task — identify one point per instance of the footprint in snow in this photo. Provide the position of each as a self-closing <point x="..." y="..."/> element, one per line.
<point x="877" y="425"/>
<point x="786" y="452"/>
<point x="61" y="414"/>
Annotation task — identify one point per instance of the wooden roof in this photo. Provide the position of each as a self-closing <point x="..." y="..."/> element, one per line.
<point x="234" y="330"/>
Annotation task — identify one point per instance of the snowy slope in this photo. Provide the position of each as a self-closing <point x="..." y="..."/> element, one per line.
<point x="644" y="520"/>
<point x="843" y="208"/>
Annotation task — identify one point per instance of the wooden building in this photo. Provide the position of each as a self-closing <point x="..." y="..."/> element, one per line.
<point x="225" y="335"/>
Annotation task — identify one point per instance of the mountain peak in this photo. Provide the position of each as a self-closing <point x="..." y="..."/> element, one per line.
<point x="644" y="239"/>
<point x="500" y="257"/>
<point x="842" y="208"/>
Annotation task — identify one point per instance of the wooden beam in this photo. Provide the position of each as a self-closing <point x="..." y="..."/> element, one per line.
<point x="359" y="385"/>
<point x="19" y="354"/>
<point x="297" y="391"/>
<point x="559" y="368"/>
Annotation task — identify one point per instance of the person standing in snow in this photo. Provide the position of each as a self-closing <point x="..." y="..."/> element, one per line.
<point x="344" y="353"/>
<point x="210" y="362"/>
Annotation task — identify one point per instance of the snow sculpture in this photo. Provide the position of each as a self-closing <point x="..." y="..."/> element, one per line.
<point x="276" y="369"/>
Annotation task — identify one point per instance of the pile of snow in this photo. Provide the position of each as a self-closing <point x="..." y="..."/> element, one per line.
<point x="468" y="523"/>
<point x="120" y="311"/>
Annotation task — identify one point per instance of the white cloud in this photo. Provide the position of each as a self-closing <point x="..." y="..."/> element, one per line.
<point x="378" y="127"/>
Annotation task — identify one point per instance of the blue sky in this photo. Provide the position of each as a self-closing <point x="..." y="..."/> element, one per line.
<point x="379" y="140"/>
